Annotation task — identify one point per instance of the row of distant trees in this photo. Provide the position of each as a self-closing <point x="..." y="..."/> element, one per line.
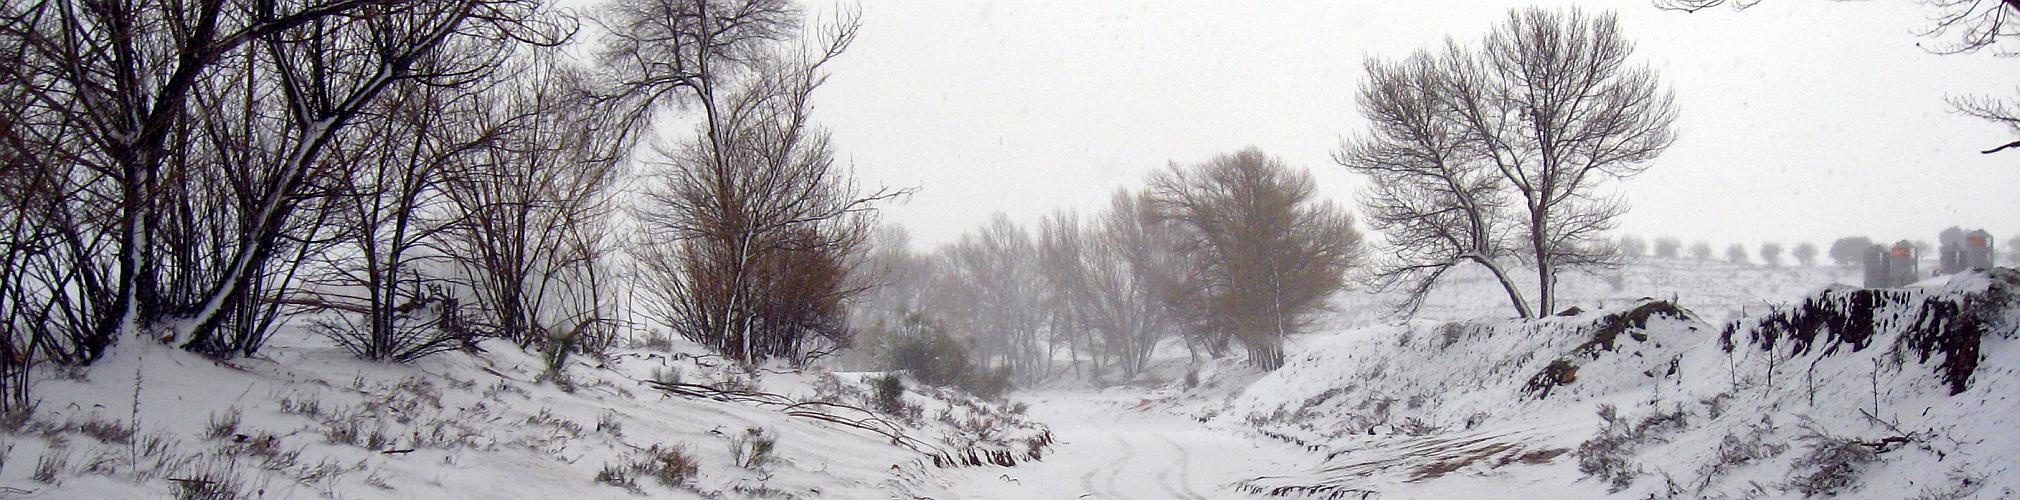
<point x="1847" y="251"/>
<point x="415" y="176"/>
<point x="1635" y="248"/>
<point x="1236" y="251"/>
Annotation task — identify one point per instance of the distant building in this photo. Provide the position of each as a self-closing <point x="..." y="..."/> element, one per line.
<point x="1972" y="250"/>
<point x="1892" y="267"/>
<point x="1978" y="250"/>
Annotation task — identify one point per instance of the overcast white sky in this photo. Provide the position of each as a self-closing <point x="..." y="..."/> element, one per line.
<point x="1800" y="120"/>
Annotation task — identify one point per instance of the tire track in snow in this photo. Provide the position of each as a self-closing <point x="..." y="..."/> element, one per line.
<point x="1093" y="483"/>
<point x="1183" y="464"/>
<point x="1115" y="471"/>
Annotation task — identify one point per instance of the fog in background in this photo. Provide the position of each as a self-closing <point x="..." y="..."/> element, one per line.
<point x="1800" y="121"/>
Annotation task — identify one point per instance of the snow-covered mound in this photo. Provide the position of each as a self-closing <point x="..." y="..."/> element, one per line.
<point x="1716" y="291"/>
<point x="1877" y="393"/>
<point x="311" y="421"/>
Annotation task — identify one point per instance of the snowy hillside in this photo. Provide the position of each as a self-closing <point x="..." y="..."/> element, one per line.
<point x="1878" y="393"/>
<point x="1716" y="290"/>
<point x="312" y="421"/>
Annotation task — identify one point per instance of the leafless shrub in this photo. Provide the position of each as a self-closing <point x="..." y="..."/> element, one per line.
<point x="1608" y="455"/>
<point x="1829" y="465"/>
<point x="104" y="430"/>
<point x="210" y="478"/>
<point x="223" y="426"/>
<point x="306" y="406"/>
<point x="668" y="465"/>
<point x="53" y="461"/>
<point x="618" y="475"/>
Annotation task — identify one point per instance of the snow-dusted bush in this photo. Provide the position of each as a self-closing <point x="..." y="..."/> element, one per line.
<point x="670" y="466"/>
<point x="1608" y="455"/>
<point x="753" y="448"/>
<point x="888" y="394"/>
<point x="926" y="350"/>
<point x="1830" y="466"/>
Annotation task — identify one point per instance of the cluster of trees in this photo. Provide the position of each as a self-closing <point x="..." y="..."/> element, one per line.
<point x="1492" y="154"/>
<point x="1237" y="251"/>
<point x="1633" y="248"/>
<point x="418" y="174"/>
<point x="187" y="170"/>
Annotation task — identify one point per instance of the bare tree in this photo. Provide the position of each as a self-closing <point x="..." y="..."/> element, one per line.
<point x="1272" y="252"/>
<point x="1700" y="251"/>
<point x="2002" y="112"/>
<point x="1552" y="101"/>
<point x="1530" y="122"/>
<point x="532" y="211"/>
<point x="991" y="289"/>
<point x="1771" y="254"/>
<point x="1134" y="256"/>
<point x="1736" y="254"/>
<point x="203" y="131"/>
<point x="755" y="196"/>
<point x="1065" y="260"/>
<point x="1437" y="203"/>
<point x="665" y="52"/>
<point x="385" y="301"/>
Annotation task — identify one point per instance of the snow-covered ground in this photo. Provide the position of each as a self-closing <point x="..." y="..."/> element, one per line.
<point x="1874" y="393"/>
<point x="1127" y="443"/>
<point x="1630" y="399"/>
<point x="310" y="421"/>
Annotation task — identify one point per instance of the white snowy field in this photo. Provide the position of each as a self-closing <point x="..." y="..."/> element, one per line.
<point x="1126" y="443"/>
<point x="309" y="421"/>
<point x="1368" y="407"/>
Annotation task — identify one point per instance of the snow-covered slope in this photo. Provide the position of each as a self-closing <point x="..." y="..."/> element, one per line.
<point x="312" y="421"/>
<point x="1717" y="291"/>
<point x="1878" y="393"/>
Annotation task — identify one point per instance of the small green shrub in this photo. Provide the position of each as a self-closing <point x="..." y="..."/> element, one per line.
<point x="888" y="393"/>
<point x="753" y="449"/>
<point x="987" y="384"/>
<point x="924" y="348"/>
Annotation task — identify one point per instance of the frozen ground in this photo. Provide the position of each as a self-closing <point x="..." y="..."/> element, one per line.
<point x="310" y="421"/>
<point x="1127" y="443"/>
<point x="1369" y="406"/>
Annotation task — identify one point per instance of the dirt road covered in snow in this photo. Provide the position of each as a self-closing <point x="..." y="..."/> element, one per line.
<point x="1124" y="444"/>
